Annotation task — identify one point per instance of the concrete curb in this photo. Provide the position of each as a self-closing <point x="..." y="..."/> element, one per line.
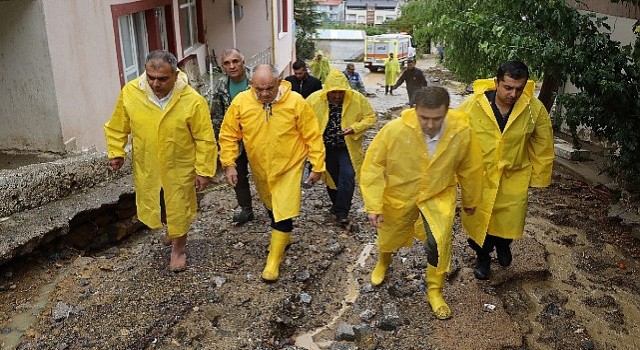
<point x="39" y="201"/>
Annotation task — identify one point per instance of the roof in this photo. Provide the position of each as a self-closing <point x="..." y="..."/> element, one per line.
<point x="391" y="35"/>
<point x="340" y="34"/>
<point x="328" y="2"/>
<point x="378" y="4"/>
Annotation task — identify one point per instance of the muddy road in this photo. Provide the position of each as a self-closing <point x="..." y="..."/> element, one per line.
<point x="573" y="284"/>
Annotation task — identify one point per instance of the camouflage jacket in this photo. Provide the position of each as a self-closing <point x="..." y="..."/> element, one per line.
<point x="221" y="99"/>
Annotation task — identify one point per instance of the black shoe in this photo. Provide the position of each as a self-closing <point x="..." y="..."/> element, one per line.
<point x="245" y="215"/>
<point x="483" y="268"/>
<point x="504" y="253"/>
<point x="343" y="220"/>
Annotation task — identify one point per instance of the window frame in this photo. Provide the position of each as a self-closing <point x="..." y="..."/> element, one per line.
<point x="152" y="18"/>
<point x="199" y="25"/>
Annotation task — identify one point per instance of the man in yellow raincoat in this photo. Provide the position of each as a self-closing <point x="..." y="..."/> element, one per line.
<point x="320" y="66"/>
<point x="516" y="136"/>
<point x="174" y="148"/>
<point x="344" y="115"/>
<point x="391" y="73"/>
<point x="409" y="173"/>
<point x="279" y="131"/>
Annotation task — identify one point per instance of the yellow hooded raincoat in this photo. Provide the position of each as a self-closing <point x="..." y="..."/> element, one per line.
<point x="399" y="177"/>
<point x="170" y="147"/>
<point x="520" y="157"/>
<point x="320" y="67"/>
<point x="391" y="70"/>
<point x="357" y="114"/>
<point x="277" y="144"/>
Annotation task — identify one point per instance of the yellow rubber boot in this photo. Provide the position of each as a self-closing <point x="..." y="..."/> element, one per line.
<point x="279" y="241"/>
<point x="435" y="283"/>
<point x="378" y="273"/>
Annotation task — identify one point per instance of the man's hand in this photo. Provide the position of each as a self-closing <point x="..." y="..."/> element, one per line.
<point x="231" y="175"/>
<point x="314" y="176"/>
<point x="201" y="182"/>
<point x="469" y="211"/>
<point x="116" y="163"/>
<point x="346" y="131"/>
<point x="375" y="220"/>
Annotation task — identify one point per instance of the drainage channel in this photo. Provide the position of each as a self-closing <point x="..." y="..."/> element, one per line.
<point x="353" y="292"/>
<point x="20" y="322"/>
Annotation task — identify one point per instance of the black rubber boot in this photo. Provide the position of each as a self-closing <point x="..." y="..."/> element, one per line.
<point x="246" y="214"/>
<point x="503" y="250"/>
<point x="482" y="270"/>
<point x="386" y="89"/>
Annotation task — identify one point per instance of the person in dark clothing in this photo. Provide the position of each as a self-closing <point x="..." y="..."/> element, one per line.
<point x="235" y="80"/>
<point x="414" y="77"/>
<point x="301" y="81"/>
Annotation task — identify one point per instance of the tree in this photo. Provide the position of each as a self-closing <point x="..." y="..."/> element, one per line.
<point x="559" y="44"/>
<point x="307" y="21"/>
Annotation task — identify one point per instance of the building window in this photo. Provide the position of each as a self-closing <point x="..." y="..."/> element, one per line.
<point x="134" y="44"/>
<point x="188" y="24"/>
<point x="283" y="16"/>
<point x="141" y="27"/>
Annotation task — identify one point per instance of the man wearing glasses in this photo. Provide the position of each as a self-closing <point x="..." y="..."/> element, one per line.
<point x="279" y="131"/>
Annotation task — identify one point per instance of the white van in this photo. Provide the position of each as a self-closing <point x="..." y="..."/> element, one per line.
<point x="377" y="48"/>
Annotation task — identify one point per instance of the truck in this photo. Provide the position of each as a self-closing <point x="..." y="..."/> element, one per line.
<point x="377" y="48"/>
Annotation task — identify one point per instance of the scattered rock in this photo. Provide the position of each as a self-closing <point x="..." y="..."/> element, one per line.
<point x="345" y="332"/>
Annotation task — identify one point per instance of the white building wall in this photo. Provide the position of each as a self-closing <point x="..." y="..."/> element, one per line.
<point x="284" y="42"/>
<point x="85" y="68"/>
<point x="253" y="33"/>
<point x="28" y="110"/>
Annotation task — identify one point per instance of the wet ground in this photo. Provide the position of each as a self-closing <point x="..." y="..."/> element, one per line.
<point x="573" y="284"/>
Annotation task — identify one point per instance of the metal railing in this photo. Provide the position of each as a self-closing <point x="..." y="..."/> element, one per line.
<point x="261" y="57"/>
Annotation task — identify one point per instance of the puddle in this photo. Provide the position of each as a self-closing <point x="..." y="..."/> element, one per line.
<point x="353" y="291"/>
<point x="27" y="316"/>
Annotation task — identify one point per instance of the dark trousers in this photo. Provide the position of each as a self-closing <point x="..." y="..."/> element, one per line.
<point x="282" y="226"/>
<point x="338" y="164"/>
<point x="490" y="242"/>
<point x="430" y="244"/>
<point x="243" y="191"/>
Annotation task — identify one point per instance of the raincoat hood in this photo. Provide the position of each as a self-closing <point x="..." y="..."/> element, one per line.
<point x="336" y="81"/>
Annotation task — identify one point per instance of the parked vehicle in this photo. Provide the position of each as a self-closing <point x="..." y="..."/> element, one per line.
<point x="377" y="48"/>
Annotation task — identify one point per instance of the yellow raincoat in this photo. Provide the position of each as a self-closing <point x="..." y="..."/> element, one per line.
<point x="277" y="144"/>
<point x="320" y="67"/>
<point x="357" y="114"/>
<point x="391" y="70"/>
<point x="170" y="147"/>
<point x="514" y="160"/>
<point x="399" y="177"/>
